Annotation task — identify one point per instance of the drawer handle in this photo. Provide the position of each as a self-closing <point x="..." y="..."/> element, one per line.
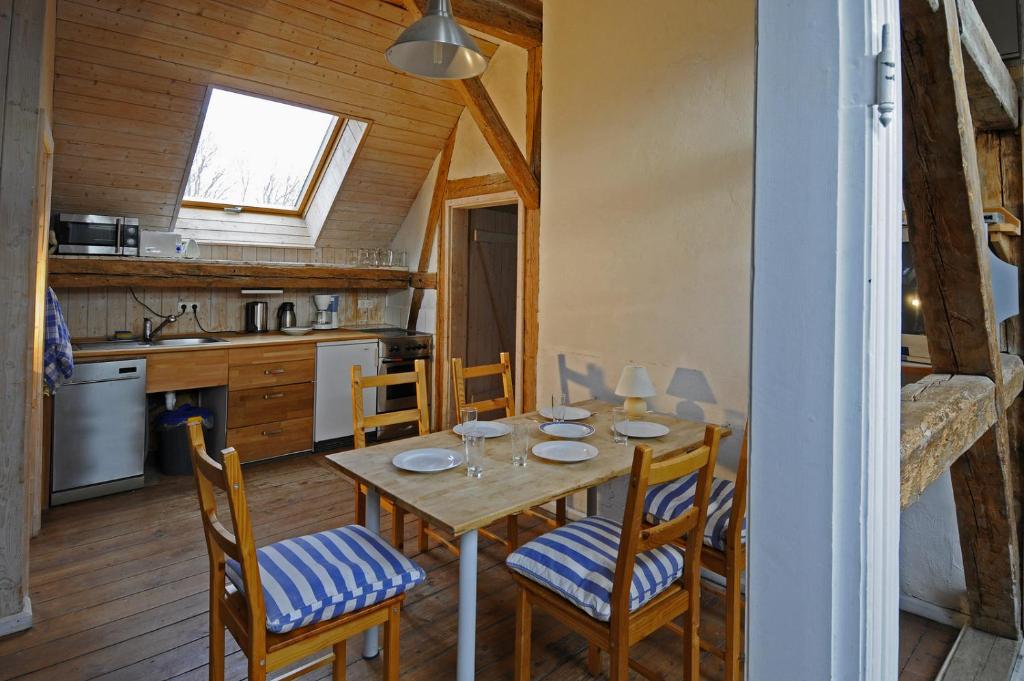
<point x="273" y="396"/>
<point x="271" y="372"/>
<point x="271" y="433"/>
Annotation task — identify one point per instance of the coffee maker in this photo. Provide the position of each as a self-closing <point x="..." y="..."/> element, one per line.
<point x="326" y="311"/>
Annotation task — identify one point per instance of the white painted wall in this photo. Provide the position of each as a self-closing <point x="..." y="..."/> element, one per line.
<point x="646" y="202"/>
<point x="505" y="80"/>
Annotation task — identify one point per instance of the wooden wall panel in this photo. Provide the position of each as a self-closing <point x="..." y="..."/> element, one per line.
<point x="131" y="77"/>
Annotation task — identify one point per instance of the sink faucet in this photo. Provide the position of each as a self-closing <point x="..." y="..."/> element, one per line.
<point x="149" y="333"/>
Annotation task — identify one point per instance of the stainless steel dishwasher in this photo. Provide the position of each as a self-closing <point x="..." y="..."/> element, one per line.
<point x="99" y="431"/>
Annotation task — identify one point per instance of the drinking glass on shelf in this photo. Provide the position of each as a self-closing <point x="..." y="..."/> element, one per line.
<point x="351" y="257"/>
<point x="558" y="407"/>
<point x="475" y="444"/>
<point x="364" y="257"/>
<point x="520" y="444"/>
<point x="467" y="417"/>
<point x="400" y="259"/>
<point x="389" y="258"/>
<point x="620" y="425"/>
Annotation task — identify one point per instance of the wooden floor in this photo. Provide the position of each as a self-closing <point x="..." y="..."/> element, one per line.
<point x="119" y="591"/>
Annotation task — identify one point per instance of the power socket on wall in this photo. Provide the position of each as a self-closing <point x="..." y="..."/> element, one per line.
<point x="188" y="306"/>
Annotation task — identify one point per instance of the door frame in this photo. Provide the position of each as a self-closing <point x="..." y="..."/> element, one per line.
<point x="824" y="414"/>
<point x="454" y="210"/>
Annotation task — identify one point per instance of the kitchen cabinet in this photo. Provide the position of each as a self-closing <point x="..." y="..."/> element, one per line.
<point x="334" y="362"/>
<point x="186" y="370"/>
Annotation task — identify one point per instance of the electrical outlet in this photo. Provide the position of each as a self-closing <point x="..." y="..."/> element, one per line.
<point x="365" y="304"/>
<point x="188" y="306"/>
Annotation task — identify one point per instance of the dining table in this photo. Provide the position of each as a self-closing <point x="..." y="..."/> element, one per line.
<point x="460" y="505"/>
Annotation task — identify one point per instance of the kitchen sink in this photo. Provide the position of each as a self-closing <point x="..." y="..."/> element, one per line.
<point x="134" y="344"/>
<point x="185" y="341"/>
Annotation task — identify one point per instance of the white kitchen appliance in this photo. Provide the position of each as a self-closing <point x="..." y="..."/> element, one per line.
<point x="326" y="316"/>
<point x="158" y="244"/>
<point x="333" y="404"/>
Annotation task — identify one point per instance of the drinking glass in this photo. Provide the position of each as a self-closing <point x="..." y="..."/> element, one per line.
<point x="467" y="417"/>
<point x="389" y="258"/>
<point x="558" y="406"/>
<point x="474" y="455"/>
<point x="364" y="257"/>
<point x="620" y="425"/>
<point x="520" y="444"/>
<point x="400" y="259"/>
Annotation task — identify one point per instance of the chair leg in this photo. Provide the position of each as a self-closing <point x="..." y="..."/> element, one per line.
<point x="257" y="671"/>
<point x="391" y="648"/>
<point x="512" y="533"/>
<point x="733" y="624"/>
<point x="398" y="529"/>
<point x="524" y="623"/>
<point x="618" y="668"/>
<point x="560" y="512"/>
<point x="423" y="541"/>
<point x="691" y="644"/>
<point x="360" y="505"/>
<point x="216" y="644"/>
<point x="593" y="659"/>
<point x="338" y="668"/>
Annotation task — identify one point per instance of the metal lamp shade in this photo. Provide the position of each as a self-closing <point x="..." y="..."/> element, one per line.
<point x="437" y="47"/>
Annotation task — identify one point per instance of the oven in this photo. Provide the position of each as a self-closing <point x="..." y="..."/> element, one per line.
<point x="398" y="352"/>
<point x="96" y="234"/>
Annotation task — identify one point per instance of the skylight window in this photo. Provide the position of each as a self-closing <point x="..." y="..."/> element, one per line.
<point x="258" y="154"/>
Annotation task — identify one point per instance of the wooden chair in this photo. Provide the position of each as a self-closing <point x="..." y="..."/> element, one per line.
<point x="507" y="402"/>
<point x="725" y="554"/>
<point x="637" y="544"/>
<point x="244" y="612"/>
<point x="361" y="423"/>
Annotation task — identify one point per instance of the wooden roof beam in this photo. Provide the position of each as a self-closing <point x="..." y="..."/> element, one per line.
<point x="942" y="191"/>
<point x="990" y="87"/>
<point x="519" y="22"/>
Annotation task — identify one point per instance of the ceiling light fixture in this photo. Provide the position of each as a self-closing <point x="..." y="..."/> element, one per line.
<point x="437" y="47"/>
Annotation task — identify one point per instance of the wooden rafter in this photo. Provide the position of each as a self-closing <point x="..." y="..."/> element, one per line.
<point x="433" y="219"/>
<point x="992" y="92"/>
<point x="943" y="198"/>
<point x="519" y="22"/>
<point x="531" y="235"/>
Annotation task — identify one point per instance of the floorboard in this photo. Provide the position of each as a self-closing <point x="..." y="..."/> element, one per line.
<point x="119" y="593"/>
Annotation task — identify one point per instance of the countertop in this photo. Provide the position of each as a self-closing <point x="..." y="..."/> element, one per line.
<point x="231" y="340"/>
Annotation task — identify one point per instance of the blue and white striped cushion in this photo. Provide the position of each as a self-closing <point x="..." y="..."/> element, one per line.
<point x="670" y="500"/>
<point x="325" y="575"/>
<point x="578" y="562"/>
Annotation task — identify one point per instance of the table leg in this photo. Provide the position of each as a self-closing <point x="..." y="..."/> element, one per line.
<point x="591" y="501"/>
<point x="371" y="640"/>
<point x="467" y="607"/>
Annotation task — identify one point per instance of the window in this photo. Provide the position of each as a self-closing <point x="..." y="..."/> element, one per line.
<point x="257" y="154"/>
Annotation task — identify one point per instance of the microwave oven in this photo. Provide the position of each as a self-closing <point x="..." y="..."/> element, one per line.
<point x="97" y="235"/>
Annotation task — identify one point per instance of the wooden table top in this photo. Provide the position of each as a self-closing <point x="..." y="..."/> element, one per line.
<point x="456" y="503"/>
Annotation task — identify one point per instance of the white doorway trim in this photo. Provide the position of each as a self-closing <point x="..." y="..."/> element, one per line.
<point x="442" y="348"/>
<point x="824" y="438"/>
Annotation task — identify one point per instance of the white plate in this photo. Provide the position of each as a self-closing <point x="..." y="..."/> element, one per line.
<point x="297" y="330"/>
<point x="486" y="428"/>
<point x="565" y="451"/>
<point x="429" y="460"/>
<point x="642" y="429"/>
<point x="571" y="413"/>
<point x="573" y="431"/>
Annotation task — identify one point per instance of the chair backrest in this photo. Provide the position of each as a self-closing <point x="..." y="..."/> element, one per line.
<point x="635" y="538"/>
<point x="221" y="543"/>
<point x="737" y="516"/>
<point x="503" y="368"/>
<point x="420" y="415"/>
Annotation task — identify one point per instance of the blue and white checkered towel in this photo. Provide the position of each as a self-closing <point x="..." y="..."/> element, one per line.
<point x="58" y="362"/>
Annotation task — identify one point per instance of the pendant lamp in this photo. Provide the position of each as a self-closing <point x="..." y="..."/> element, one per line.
<point x="437" y="47"/>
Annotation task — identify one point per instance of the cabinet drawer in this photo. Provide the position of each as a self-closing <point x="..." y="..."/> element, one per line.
<point x="273" y="403"/>
<point x="279" y="373"/>
<point x="185" y="370"/>
<point x="271" y="439"/>
<point x="266" y="354"/>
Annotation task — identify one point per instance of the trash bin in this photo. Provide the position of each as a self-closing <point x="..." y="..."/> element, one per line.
<point x="175" y="456"/>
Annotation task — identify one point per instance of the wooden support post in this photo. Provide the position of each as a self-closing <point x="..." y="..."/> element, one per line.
<point x="992" y="92"/>
<point x="531" y="236"/>
<point x="433" y="219"/>
<point x="943" y="198"/>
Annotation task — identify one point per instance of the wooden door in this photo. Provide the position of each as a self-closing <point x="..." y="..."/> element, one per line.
<point x="491" y="259"/>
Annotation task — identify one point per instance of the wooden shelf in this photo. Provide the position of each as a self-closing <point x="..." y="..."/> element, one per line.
<point x="85" y="272"/>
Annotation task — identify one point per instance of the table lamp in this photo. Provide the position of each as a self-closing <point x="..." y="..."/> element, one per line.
<point x="635" y="385"/>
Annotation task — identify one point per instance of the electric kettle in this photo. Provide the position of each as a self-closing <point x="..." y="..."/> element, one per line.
<point x="256" y="316"/>
<point x="286" y="315"/>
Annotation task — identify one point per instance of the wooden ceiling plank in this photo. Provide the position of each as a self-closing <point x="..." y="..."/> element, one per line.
<point x="515" y="21"/>
<point x="942" y="193"/>
<point x="995" y="104"/>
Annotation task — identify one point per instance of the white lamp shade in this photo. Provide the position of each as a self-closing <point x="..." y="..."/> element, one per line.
<point x="635" y="382"/>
